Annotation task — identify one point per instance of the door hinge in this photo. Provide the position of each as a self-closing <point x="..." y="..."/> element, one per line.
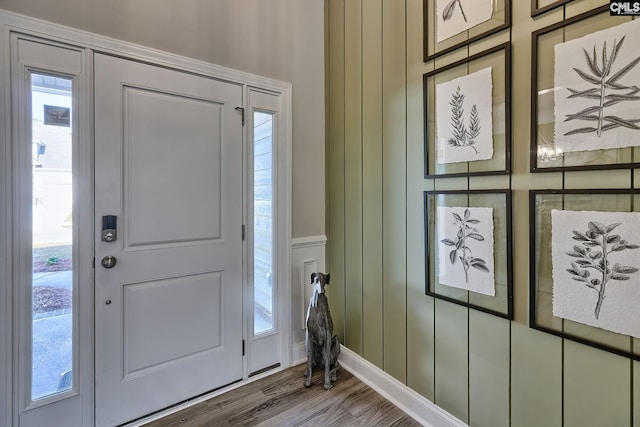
<point x="94" y="263"/>
<point x="244" y="228"/>
<point x="241" y="109"/>
<point x="243" y="347"/>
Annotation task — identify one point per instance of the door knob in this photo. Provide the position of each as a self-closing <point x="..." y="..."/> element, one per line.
<point x="109" y="261"/>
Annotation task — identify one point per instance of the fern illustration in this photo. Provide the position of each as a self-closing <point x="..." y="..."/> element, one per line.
<point x="463" y="137"/>
<point x="608" y="91"/>
<point x="474" y="127"/>
<point x="447" y="13"/>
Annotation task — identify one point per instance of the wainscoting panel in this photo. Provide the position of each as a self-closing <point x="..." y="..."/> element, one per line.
<point x="307" y="256"/>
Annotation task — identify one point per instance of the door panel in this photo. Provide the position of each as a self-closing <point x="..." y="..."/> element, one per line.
<point x="189" y="303"/>
<point x="151" y="139"/>
<point x="169" y="166"/>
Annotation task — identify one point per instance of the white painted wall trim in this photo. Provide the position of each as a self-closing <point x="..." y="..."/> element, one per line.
<point x="308" y="242"/>
<point x="6" y="291"/>
<point x="418" y="407"/>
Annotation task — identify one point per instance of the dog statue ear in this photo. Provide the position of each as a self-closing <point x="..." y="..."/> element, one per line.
<point x="328" y="276"/>
<point x="313" y="277"/>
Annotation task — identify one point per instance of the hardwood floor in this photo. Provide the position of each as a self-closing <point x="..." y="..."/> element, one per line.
<point x="282" y="400"/>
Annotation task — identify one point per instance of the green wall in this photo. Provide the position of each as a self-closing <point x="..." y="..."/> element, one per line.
<point x="485" y="370"/>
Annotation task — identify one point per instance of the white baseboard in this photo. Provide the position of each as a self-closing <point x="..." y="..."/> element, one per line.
<point x="418" y="407"/>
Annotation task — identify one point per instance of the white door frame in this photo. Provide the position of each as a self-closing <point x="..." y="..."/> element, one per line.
<point x="14" y="23"/>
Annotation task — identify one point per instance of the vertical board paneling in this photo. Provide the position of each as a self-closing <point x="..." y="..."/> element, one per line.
<point x="452" y="358"/>
<point x="394" y="187"/>
<point x="488" y="370"/>
<point x="596" y="387"/>
<point x="484" y="370"/>
<point x="336" y="116"/>
<point x="353" y="174"/>
<point x="536" y="378"/>
<point x="372" y="180"/>
<point x="420" y="314"/>
<point x="536" y="358"/>
<point x="636" y="393"/>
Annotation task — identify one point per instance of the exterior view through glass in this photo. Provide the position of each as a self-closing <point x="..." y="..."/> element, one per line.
<point x="52" y="238"/>
<point x="263" y="221"/>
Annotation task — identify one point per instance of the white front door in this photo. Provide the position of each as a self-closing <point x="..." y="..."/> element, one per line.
<point x="168" y="167"/>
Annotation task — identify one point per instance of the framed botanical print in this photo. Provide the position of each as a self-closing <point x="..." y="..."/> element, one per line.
<point x="468" y="116"/>
<point x="585" y="94"/>
<point x="451" y="24"/>
<point x="468" y="249"/>
<point x="585" y="266"/>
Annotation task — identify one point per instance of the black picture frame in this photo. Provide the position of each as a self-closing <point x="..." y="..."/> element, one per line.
<point x="500" y="59"/>
<point x="501" y="304"/>
<point x="540" y="268"/>
<point x="537" y="10"/>
<point x="544" y="155"/>
<point x="500" y="20"/>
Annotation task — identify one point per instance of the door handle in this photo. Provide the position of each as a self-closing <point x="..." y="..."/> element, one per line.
<point x="109" y="261"/>
<point x="109" y="228"/>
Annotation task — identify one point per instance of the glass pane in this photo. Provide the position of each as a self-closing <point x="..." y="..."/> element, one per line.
<point x="52" y="283"/>
<point x="262" y="221"/>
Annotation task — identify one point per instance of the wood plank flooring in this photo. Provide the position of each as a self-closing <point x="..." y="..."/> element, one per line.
<point x="282" y="400"/>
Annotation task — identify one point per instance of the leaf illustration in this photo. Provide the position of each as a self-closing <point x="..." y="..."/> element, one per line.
<point x="474" y="125"/>
<point x="587" y="77"/>
<point x="448" y="242"/>
<point x="452" y="256"/>
<point x="597" y="227"/>
<point x="619" y="277"/>
<point x="613" y="239"/>
<point x="624" y="70"/>
<point x="611" y="227"/>
<point x="579" y="236"/>
<point x="592" y="63"/>
<point x="447" y="13"/>
<point x="590" y="93"/>
<point x="481" y="267"/>
<point x="621" y="122"/>
<point x="476" y="236"/>
<point x="626" y="269"/>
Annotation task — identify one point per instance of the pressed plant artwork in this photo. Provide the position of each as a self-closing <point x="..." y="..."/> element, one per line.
<point x="597" y="96"/>
<point x="456" y="16"/>
<point x="464" y="128"/>
<point x="595" y="268"/>
<point x="463" y="137"/>
<point x="465" y="248"/>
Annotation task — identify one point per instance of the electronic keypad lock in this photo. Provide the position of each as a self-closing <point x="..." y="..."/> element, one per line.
<point x="109" y="228"/>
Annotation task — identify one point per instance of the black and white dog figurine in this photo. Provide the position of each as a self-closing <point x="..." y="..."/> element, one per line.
<point x="323" y="347"/>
